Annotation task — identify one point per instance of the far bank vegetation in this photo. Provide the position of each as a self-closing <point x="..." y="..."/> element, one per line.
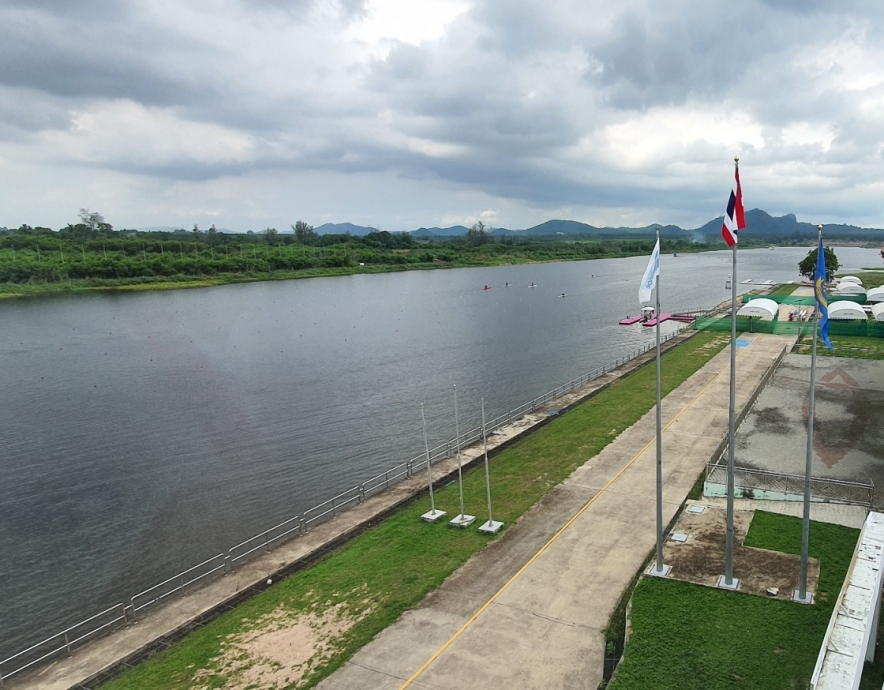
<point x="92" y="254"/>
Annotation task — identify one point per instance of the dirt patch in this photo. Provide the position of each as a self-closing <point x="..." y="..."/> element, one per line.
<point x="700" y="559"/>
<point x="279" y="650"/>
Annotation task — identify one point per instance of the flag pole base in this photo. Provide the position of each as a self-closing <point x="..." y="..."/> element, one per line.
<point x="806" y="599"/>
<point x="462" y="520"/>
<point x="433" y="515"/>
<point x="490" y="527"/>
<point x="734" y="584"/>
<point x="662" y="572"/>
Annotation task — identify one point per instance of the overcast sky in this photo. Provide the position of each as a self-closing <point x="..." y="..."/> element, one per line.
<point x="407" y="113"/>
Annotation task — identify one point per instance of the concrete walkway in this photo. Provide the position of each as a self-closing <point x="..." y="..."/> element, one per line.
<point x="157" y="628"/>
<point x="529" y="610"/>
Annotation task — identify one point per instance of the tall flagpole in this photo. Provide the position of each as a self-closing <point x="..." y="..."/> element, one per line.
<point x="802" y="595"/>
<point x="660" y="569"/>
<point x="728" y="580"/>
<point x="460" y="520"/>
<point x="434" y="514"/>
<point x="492" y="526"/>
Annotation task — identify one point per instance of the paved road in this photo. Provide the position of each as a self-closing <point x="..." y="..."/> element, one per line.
<point x="528" y="611"/>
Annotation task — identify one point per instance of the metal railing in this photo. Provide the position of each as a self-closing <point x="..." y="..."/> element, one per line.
<point x="177" y="583"/>
<point x="748" y="479"/>
<point x="66" y="640"/>
<point x="224" y="564"/>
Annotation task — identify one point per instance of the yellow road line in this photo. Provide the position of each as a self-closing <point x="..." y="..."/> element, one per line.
<point x="552" y="539"/>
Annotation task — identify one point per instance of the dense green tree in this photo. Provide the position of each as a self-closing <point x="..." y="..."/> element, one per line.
<point x="807" y="265"/>
<point x="304" y="233"/>
<point x="478" y="235"/>
<point x="95" y="223"/>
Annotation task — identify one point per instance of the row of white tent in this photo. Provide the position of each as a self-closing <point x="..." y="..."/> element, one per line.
<point x="851" y="285"/>
<point x="840" y="310"/>
<point x="851" y="311"/>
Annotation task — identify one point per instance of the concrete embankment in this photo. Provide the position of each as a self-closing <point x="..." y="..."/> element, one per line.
<point x="103" y="658"/>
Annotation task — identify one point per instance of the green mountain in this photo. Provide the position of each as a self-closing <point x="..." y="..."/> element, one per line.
<point x="343" y="229"/>
<point x="760" y="223"/>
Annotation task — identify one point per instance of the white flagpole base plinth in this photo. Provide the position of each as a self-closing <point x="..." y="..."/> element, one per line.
<point x="462" y="520"/>
<point x="653" y="572"/>
<point x="735" y="583"/>
<point x="490" y="527"/>
<point x="433" y="515"/>
<point x="806" y="599"/>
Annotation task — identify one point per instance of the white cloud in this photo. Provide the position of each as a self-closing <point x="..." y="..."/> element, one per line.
<point x="405" y="21"/>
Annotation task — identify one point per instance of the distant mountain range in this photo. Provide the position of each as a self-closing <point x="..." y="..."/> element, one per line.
<point x="758" y="222"/>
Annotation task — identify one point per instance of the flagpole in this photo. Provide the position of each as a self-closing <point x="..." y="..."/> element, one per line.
<point x="461" y="520"/>
<point x="492" y="526"/>
<point x="434" y="514"/>
<point x="660" y="569"/>
<point x="802" y="594"/>
<point x="728" y="580"/>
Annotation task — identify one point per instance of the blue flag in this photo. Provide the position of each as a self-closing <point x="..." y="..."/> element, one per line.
<point x="819" y="288"/>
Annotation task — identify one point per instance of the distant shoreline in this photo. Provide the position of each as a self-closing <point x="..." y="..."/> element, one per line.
<point x="179" y="282"/>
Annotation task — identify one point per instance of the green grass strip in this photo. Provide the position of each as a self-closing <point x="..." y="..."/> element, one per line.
<point x="390" y="568"/>
<point x="784" y="290"/>
<point x="690" y="636"/>
<point x="854" y="346"/>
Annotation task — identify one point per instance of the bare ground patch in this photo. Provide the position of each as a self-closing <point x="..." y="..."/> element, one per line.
<point x="280" y="649"/>
<point x="700" y="559"/>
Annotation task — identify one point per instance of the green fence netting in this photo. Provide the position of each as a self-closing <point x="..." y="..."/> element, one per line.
<point x="746" y="324"/>
<point x="805" y="301"/>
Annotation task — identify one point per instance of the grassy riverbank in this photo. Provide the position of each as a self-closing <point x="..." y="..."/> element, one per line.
<point x="36" y="261"/>
<point x="349" y="597"/>
<point x="690" y="636"/>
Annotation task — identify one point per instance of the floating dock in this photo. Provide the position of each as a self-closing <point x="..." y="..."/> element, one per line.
<point x="684" y="318"/>
<point x="652" y="321"/>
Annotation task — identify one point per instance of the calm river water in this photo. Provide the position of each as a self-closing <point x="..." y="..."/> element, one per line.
<point x="144" y="432"/>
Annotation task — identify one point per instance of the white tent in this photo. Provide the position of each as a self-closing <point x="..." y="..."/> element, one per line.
<point x="765" y="308"/>
<point x="850" y="279"/>
<point x="875" y="294"/>
<point x="846" y="311"/>
<point x="878" y="311"/>
<point x="849" y="289"/>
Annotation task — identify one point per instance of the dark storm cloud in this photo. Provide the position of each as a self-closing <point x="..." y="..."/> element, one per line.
<point x="93" y="54"/>
<point x="664" y="60"/>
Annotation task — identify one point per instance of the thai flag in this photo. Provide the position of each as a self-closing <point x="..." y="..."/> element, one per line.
<point x="734" y="218"/>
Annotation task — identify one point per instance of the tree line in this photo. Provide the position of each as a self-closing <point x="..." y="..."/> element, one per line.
<point x="92" y="250"/>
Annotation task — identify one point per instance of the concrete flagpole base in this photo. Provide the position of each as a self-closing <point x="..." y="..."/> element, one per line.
<point x="735" y="583"/>
<point x="663" y="572"/>
<point x="462" y="520"/>
<point x="433" y="515"/>
<point x="806" y="599"/>
<point x="490" y="527"/>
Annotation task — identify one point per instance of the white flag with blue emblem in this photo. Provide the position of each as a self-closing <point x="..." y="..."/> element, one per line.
<point x="649" y="279"/>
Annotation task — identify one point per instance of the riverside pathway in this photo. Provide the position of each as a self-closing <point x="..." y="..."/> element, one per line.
<point x="529" y="610"/>
<point x="154" y="630"/>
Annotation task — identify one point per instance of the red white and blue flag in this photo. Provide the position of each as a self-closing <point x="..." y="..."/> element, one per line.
<point x="734" y="218"/>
